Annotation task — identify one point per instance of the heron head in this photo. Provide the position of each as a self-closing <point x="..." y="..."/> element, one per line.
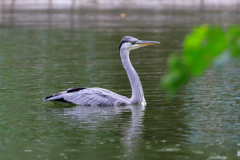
<point x="131" y="43"/>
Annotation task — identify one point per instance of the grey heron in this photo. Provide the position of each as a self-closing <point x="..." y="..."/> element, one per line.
<point x="103" y="97"/>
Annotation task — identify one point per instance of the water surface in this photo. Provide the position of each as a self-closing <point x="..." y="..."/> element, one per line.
<point x="47" y="51"/>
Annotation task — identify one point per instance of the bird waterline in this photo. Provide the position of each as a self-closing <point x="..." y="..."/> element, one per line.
<point x="103" y="97"/>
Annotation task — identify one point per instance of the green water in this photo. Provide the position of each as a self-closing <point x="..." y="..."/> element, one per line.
<point x="44" y="52"/>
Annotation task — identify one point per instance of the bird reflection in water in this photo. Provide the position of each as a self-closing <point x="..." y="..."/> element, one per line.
<point x="113" y="120"/>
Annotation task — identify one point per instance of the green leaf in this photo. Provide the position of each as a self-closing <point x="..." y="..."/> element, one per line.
<point x="203" y="46"/>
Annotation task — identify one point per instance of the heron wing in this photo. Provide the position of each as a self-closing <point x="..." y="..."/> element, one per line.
<point x="96" y="97"/>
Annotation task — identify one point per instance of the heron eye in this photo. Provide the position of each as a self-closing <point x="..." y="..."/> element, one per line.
<point x="133" y="42"/>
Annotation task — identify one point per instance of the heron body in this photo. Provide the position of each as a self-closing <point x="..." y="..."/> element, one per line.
<point x="103" y="97"/>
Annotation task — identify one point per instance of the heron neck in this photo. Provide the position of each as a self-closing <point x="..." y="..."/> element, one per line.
<point x="137" y="91"/>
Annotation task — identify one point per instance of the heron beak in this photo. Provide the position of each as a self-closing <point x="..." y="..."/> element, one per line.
<point x="147" y="43"/>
